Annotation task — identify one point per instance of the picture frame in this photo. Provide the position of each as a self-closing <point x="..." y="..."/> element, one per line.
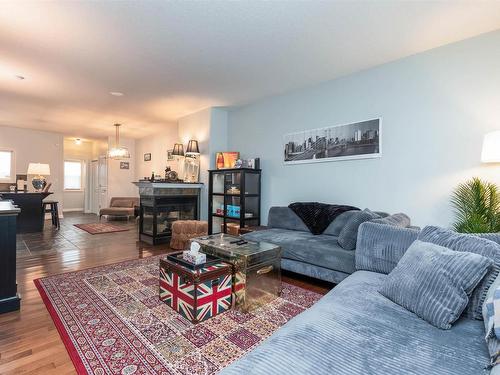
<point x="124" y="165"/>
<point x="170" y="156"/>
<point x="355" y="140"/>
<point x="226" y="159"/>
<point x="147" y="157"/>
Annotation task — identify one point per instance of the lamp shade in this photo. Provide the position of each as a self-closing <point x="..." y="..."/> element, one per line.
<point x="178" y="149"/>
<point x="39" y="169"/>
<point x="491" y="148"/>
<point x="192" y="147"/>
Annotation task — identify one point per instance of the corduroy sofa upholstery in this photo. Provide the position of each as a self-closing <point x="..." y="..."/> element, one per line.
<point x="355" y="330"/>
<point x="319" y="256"/>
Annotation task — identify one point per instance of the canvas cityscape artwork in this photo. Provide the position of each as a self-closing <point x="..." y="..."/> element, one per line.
<point x="357" y="140"/>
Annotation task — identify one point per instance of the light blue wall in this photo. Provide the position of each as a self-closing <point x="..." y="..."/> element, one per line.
<point x="436" y="107"/>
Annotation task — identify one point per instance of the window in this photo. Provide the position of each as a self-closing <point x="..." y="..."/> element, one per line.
<point x="6" y="166"/>
<point x="72" y="175"/>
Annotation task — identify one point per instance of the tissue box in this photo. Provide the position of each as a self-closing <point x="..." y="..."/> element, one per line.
<point x="195" y="259"/>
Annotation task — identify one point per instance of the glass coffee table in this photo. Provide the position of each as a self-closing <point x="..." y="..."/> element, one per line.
<point x="256" y="268"/>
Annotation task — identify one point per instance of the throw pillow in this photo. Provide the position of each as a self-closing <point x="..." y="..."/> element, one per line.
<point x="339" y="222"/>
<point x="491" y="315"/>
<point x="349" y="234"/>
<point x="472" y="244"/>
<point x="434" y="282"/>
<point x="396" y="220"/>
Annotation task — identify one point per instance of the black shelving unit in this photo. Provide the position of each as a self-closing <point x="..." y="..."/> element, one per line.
<point x="234" y="197"/>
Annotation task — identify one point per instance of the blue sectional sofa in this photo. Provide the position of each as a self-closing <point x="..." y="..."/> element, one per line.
<point x="355" y="330"/>
<point x="318" y="256"/>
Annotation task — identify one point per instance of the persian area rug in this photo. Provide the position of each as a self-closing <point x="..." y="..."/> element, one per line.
<point x="112" y="322"/>
<point x="99" y="228"/>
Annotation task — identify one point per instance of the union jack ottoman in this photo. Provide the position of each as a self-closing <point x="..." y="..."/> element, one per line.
<point x="196" y="294"/>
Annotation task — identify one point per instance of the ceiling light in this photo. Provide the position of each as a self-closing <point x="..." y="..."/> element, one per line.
<point x="118" y="152"/>
<point x="78" y="141"/>
<point x="116" y="93"/>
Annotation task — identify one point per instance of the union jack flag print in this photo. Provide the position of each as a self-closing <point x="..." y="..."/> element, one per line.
<point x="197" y="301"/>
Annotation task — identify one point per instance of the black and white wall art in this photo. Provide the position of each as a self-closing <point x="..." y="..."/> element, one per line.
<point x="357" y="140"/>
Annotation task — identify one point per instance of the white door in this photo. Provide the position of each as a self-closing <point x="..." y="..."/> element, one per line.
<point x="94" y="187"/>
<point x="103" y="181"/>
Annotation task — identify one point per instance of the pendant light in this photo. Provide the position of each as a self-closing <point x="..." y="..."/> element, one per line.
<point x="118" y="152"/>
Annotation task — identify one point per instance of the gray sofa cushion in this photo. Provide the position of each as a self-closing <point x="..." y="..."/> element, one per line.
<point x="340" y="221"/>
<point x="396" y="220"/>
<point x="473" y="244"/>
<point x="354" y="330"/>
<point x="319" y="250"/>
<point x="434" y="282"/>
<point x="349" y="234"/>
<point x="285" y="218"/>
<point x="380" y="247"/>
<point x="317" y="272"/>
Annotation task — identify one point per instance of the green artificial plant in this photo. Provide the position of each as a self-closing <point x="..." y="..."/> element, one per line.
<point x="477" y="207"/>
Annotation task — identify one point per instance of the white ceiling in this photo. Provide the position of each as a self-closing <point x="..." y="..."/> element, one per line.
<point x="174" y="58"/>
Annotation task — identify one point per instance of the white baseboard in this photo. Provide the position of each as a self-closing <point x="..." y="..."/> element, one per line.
<point x="73" y="210"/>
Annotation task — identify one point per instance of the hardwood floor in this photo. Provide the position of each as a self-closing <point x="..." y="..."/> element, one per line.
<point x="29" y="341"/>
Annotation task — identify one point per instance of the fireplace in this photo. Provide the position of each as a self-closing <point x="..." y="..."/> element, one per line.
<point x="162" y="204"/>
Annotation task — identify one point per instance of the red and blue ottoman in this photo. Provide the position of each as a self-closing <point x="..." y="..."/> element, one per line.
<point x="196" y="294"/>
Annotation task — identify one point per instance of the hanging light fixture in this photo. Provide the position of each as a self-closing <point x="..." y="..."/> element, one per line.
<point x="118" y="152"/>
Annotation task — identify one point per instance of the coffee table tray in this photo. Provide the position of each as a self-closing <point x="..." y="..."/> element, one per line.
<point x="178" y="259"/>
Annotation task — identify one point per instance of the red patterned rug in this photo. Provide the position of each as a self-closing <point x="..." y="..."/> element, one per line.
<point x="99" y="228"/>
<point x="112" y="322"/>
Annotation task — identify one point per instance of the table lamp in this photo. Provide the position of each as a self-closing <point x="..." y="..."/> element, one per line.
<point x="491" y="147"/>
<point x="39" y="171"/>
<point x="192" y="162"/>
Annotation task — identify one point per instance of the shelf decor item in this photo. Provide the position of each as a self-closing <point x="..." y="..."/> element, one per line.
<point x="226" y="159"/>
<point x="39" y="171"/>
<point x="234" y="198"/>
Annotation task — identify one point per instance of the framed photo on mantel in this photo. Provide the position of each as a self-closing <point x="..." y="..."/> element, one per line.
<point x="357" y="140"/>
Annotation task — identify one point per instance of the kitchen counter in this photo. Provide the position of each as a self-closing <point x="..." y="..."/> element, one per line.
<point x="31" y="217"/>
<point x="7" y="208"/>
<point x="9" y="298"/>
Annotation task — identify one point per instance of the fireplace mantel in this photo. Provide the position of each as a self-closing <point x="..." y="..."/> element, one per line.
<point x="167" y="188"/>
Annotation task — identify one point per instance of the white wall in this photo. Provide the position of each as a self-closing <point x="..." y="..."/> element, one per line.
<point x="34" y="146"/>
<point x="209" y="128"/>
<point x="120" y="180"/>
<point x="436" y="107"/>
<point x="157" y="146"/>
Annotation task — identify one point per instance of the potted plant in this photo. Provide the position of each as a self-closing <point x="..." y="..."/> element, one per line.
<point x="477" y="207"/>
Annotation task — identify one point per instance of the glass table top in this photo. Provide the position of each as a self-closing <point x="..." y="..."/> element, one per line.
<point x="228" y="243"/>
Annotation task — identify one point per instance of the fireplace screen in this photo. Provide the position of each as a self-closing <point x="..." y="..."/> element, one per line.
<point x="158" y="214"/>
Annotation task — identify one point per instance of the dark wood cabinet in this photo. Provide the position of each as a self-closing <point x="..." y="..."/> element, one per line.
<point x="234" y="197"/>
<point x="9" y="298"/>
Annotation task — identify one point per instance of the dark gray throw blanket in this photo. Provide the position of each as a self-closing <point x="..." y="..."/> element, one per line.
<point x="318" y="216"/>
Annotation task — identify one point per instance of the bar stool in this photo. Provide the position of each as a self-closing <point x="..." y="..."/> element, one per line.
<point x="53" y="210"/>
